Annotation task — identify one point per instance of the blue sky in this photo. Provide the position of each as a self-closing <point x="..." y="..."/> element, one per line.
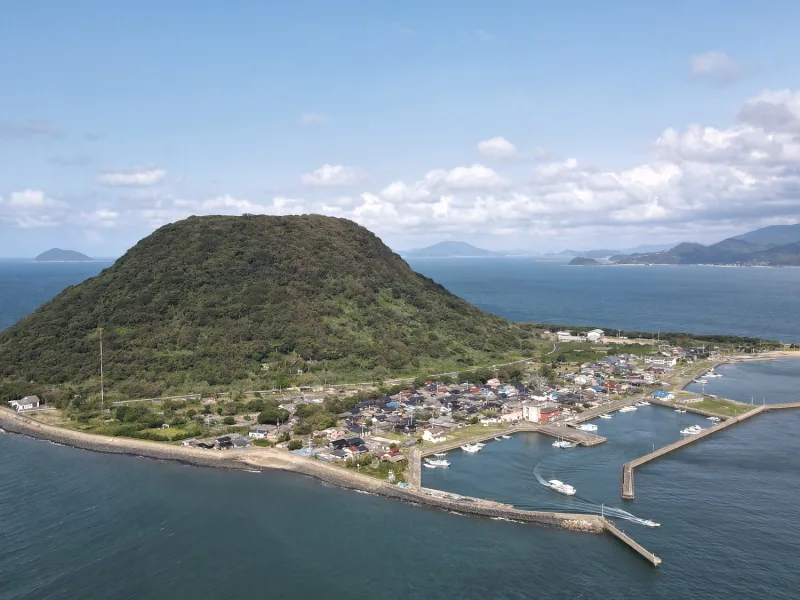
<point x="507" y="124"/>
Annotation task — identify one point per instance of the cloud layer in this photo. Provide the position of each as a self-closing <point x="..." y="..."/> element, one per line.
<point x="698" y="179"/>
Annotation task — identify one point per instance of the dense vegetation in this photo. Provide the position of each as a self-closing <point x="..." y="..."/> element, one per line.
<point x="209" y="302"/>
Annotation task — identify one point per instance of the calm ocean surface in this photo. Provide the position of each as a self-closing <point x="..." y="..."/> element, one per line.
<point x="80" y="525"/>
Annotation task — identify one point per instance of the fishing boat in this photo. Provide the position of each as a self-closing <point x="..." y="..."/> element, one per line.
<point x="562" y="444"/>
<point x="691" y="430"/>
<point x="561" y="487"/>
<point x="498" y="439"/>
<point x="680" y="411"/>
<point x="643" y="403"/>
<point x="587" y="427"/>
<point x="440" y="454"/>
<point x="714" y="419"/>
<point x="505" y="436"/>
<point x="606" y="416"/>
<point x="437" y="462"/>
<point x="711" y="373"/>
<point x="428" y="465"/>
<point x="627" y="409"/>
<point x="701" y="381"/>
<point x="472" y="448"/>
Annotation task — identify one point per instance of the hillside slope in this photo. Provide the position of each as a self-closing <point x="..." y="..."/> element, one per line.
<point x="208" y="300"/>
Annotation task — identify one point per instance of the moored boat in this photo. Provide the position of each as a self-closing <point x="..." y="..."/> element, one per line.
<point x="691" y="430"/>
<point x="625" y="409"/>
<point x="562" y="444"/>
<point x="606" y="416"/>
<point x="470" y="448"/>
<point x="437" y="462"/>
<point x="587" y="427"/>
<point x="505" y="436"/>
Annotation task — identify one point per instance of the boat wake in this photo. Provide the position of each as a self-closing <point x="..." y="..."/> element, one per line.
<point x="584" y="505"/>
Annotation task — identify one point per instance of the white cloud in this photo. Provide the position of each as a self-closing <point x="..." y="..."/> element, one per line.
<point x="313" y="119"/>
<point x="31" y="209"/>
<point x="332" y="176"/>
<point x="498" y="147"/>
<point x="698" y="182"/>
<point x="133" y="178"/>
<point x="475" y="177"/>
<point x="715" y="68"/>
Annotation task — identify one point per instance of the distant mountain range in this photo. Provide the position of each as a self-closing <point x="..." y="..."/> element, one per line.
<point x="450" y="250"/>
<point x="604" y="253"/>
<point x="59" y="255"/>
<point x="777" y="245"/>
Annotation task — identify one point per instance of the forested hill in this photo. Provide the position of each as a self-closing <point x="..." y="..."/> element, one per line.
<point x="208" y="300"/>
<point x="59" y="255"/>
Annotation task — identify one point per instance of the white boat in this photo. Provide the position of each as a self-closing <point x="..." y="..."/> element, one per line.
<point x="714" y="419"/>
<point x="562" y="444"/>
<point x="606" y="416"/>
<point x="680" y="411"/>
<point x="643" y="403"/>
<point x="498" y="439"/>
<point x="506" y="437"/>
<point x="479" y="444"/>
<point x="650" y="523"/>
<point x="470" y="448"/>
<point x="701" y="381"/>
<point x="691" y="430"/>
<point x="627" y="409"/>
<point x="561" y="487"/>
<point x="438" y="462"/>
<point x="430" y="466"/>
<point x="587" y="427"/>
<point x="712" y="374"/>
<point x="440" y="454"/>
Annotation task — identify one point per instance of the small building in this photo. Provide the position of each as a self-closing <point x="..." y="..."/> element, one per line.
<point x="434" y="435"/>
<point x="548" y="412"/>
<point x="259" y="432"/>
<point x="531" y="412"/>
<point x="27" y="403"/>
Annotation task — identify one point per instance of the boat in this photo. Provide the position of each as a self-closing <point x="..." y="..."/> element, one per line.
<point x="650" y="523"/>
<point x="479" y="444"/>
<point x="587" y="427"/>
<point x="701" y="381"/>
<point x="470" y="448"/>
<point x="498" y="439"/>
<point x="430" y="466"/>
<point x="606" y="416"/>
<point x="505" y="436"/>
<point x="561" y="487"/>
<point x="711" y="373"/>
<point x="440" y="454"/>
<point x="627" y="409"/>
<point x="438" y="462"/>
<point x="680" y="411"/>
<point x="562" y="444"/>
<point x="691" y="430"/>
<point x="643" y="403"/>
<point x="714" y="419"/>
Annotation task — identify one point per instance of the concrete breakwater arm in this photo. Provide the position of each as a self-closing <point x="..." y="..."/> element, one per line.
<point x="627" y="491"/>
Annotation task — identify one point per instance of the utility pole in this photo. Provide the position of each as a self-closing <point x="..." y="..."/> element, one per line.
<point x="102" y="391"/>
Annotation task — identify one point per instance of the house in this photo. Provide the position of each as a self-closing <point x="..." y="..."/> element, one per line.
<point x="27" y="403"/>
<point x="662" y="395"/>
<point x="434" y="435"/>
<point x="595" y="335"/>
<point x="548" y="412"/>
<point x="486" y="421"/>
<point x="530" y="412"/>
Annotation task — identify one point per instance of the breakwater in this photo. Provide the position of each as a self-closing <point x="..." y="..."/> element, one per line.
<point x="276" y="459"/>
<point x="627" y="485"/>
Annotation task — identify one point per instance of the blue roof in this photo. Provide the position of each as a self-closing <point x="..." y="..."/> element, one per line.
<point x="393" y="404"/>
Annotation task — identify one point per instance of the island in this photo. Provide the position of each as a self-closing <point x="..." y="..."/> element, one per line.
<point x="582" y="261"/>
<point x="59" y="255"/>
<point x="451" y="250"/>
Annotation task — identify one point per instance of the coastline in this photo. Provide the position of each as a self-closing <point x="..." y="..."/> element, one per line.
<point x="267" y="458"/>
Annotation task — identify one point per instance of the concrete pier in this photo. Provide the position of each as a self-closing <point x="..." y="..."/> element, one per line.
<point x="628" y="468"/>
<point x="633" y="545"/>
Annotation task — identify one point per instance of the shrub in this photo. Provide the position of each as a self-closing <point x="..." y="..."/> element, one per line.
<point x="295" y="444"/>
<point x="229" y="421"/>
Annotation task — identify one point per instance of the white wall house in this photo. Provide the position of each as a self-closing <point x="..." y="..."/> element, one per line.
<point x="531" y="412"/>
<point x="27" y="403"/>
<point x="435" y="437"/>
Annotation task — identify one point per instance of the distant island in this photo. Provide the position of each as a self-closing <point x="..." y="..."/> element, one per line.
<point x="450" y="250"/>
<point x="59" y="255"/>
<point x="774" y="246"/>
<point x="582" y="261"/>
